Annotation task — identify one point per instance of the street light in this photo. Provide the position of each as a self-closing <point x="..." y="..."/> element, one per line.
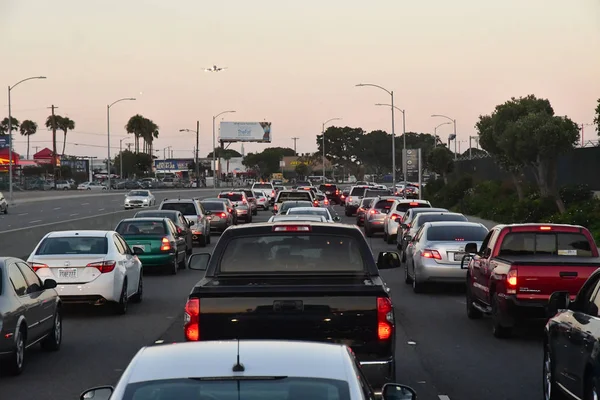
<point x="454" y="122"/>
<point x="214" y="147"/>
<point x="197" y="145"/>
<point x="10" y="157"/>
<point x="391" y="93"/>
<point x="323" y="132"/>
<point x="121" y="156"/>
<point x="108" y="134"/>
<point x="435" y="136"/>
<point x="404" y="165"/>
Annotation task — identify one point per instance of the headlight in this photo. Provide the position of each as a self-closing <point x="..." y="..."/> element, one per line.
<point x="145" y="200"/>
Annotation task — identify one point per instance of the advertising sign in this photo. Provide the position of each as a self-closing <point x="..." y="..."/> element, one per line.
<point x="76" y="165"/>
<point x="412" y="162"/>
<point x="172" y="165"/>
<point x="245" y="132"/>
<point x="4" y="141"/>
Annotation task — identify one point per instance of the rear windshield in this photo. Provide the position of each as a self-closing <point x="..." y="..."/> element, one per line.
<point x="366" y="202"/>
<point x="325" y="188"/>
<point x="213" y="205"/>
<point x="379" y="192"/>
<point x="184" y="208"/>
<point x="283" y="196"/>
<point x="73" y="245"/>
<point x="156" y="214"/>
<point x="358" y="191"/>
<point x="456" y="233"/>
<point x="403" y="207"/>
<point x="547" y="243"/>
<point x="384" y="204"/>
<point x="259" y="194"/>
<point x="313" y="211"/>
<point x="262" y="186"/>
<point x="249" y="193"/>
<point x="232" y="196"/>
<point x="438" y="217"/>
<point x="293" y="204"/>
<point x="320" y="196"/>
<point x="292" y="253"/>
<point x="141" y="228"/>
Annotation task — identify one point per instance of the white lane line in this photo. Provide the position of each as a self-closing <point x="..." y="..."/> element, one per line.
<point x="85" y="204"/>
<point x="73" y="215"/>
<point x="22" y="215"/>
<point x="34" y="222"/>
<point x="101" y="209"/>
<point x="443" y="397"/>
<point x="57" y="208"/>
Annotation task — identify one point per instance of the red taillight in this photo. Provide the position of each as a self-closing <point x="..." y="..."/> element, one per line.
<point x="179" y="230"/>
<point x="385" y="318"/>
<point x="103" y="266"/>
<point x="326" y="201"/>
<point x="165" y="244"/>
<point x="191" y="327"/>
<point x="511" y="278"/>
<point x="361" y="209"/>
<point x="230" y="210"/>
<point x="431" y="254"/>
<point x="291" y="228"/>
<point x="350" y="199"/>
<point x="545" y="228"/>
<point x="275" y="207"/>
<point x="413" y="203"/>
<point x="222" y="215"/>
<point x="374" y="211"/>
<point x="316" y="203"/>
<point x="395" y="216"/>
<point x="36" y="266"/>
<point x="272" y="193"/>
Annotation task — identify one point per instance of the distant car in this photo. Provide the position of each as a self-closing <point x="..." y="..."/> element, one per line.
<point x="31" y="313"/>
<point x="363" y="206"/>
<point x="268" y="187"/>
<point x="241" y="203"/>
<point x="92" y="267"/>
<point x="229" y="204"/>
<point x="413" y="225"/>
<point x="193" y="211"/>
<point x="393" y="219"/>
<point x="320" y="211"/>
<point x="246" y="369"/>
<point x="331" y="191"/>
<point x="287" y="205"/>
<point x="262" y="200"/>
<point x="293" y="195"/>
<point x="251" y="201"/>
<point x="406" y="224"/>
<point x="220" y="218"/>
<point x="181" y="223"/>
<point x="139" y="199"/>
<point x="91" y="186"/>
<point x="3" y="204"/>
<point x="375" y="216"/>
<point x="297" y="217"/>
<point x="322" y="199"/>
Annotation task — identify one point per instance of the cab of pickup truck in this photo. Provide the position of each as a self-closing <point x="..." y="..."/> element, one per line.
<point x="519" y="266"/>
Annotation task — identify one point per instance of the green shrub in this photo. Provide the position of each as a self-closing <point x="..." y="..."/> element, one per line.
<point x="573" y="194"/>
<point x="432" y="188"/>
<point x="450" y="195"/>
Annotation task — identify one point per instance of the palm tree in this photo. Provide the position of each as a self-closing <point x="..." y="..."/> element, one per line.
<point x="28" y="128"/>
<point x="4" y="125"/>
<point x="136" y="125"/>
<point x="65" y="124"/>
<point x="53" y="122"/>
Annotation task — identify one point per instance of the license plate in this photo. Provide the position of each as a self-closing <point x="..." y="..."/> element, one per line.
<point x="459" y="256"/>
<point x="216" y="219"/>
<point x="327" y="192"/>
<point x="141" y="247"/>
<point x="67" y="273"/>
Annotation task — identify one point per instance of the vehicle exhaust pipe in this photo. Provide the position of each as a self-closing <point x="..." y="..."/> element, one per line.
<point x="194" y="237"/>
<point x="100" y="302"/>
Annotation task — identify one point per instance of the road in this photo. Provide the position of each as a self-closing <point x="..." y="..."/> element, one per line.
<point x="441" y="353"/>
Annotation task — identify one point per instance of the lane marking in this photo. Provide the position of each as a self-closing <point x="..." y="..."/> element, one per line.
<point x="74" y="215"/>
<point x="57" y="208"/>
<point x="22" y="215"/>
<point x="33" y="222"/>
<point x="443" y="397"/>
<point x="101" y="209"/>
<point x="85" y="204"/>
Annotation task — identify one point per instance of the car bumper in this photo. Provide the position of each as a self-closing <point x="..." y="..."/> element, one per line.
<point x="351" y="208"/>
<point x="450" y="273"/>
<point x="392" y="228"/>
<point x="137" y="205"/>
<point x="263" y="206"/>
<point x="219" y="225"/>
<point x="374" y="225"/>
<point x="156" y="260"/>
<point x="379" y="372"/>
<point x="103" y="288"/>
<point x="514" y="310"/>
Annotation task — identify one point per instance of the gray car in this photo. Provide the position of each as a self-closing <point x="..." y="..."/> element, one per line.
<point x="420" y="219"/>
<point x="407" y="221"/>
<point x="375" y="216"/>
<point x="241" y="203"/>
<point x="220" y="218"/>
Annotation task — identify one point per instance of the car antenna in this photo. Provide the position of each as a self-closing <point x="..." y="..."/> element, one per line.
<point x="238" y="367"/>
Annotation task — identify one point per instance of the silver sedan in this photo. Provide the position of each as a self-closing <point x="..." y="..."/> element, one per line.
<point x="139" y="199"/>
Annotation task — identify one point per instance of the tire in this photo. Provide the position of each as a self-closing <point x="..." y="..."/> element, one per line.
<point x="202" y="240"/>
<point x="65" y="188"/>
<point x="208" y="237"/>
<point x="120" y="307"/>
<point x="139" y="295"/>
<point x="53" y="341"/>
<point x="6" y="210"/>
<point x="550" y="389"/>
<point x="472" y="312"/>
<point x="385" y="236"/>
<point x="407" y="279"/>
<point x="183" y="264"/>
<point x="15" y="362"/>
<point x="173" y="267"/>
<point x="417" y="286"/>
<point x="189" y="250"/>
<point x="255" y="211"/>
<point x="368" y="232"/>
<point x="498" y="330"/>
<point x="391" y="239"/>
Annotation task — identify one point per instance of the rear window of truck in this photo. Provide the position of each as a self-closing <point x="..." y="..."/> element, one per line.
<point x="546" y="243"/>
<point x="358" y="191"/>
<point x="286" y="253"/>
<point x="303" y="195"/>
<point x="232" y="196"/>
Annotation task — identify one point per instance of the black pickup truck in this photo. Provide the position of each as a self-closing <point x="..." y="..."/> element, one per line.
<point x="297" y="281"/>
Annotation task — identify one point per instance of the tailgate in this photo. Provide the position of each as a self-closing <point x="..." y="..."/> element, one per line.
<point x="149" y="244"/>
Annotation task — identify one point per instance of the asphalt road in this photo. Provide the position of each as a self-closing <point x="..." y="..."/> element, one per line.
<point x="440" y="352"/>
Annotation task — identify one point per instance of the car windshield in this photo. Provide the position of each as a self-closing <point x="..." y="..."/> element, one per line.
<point x="138" y="193"/>
<point x="156" y="214"/>
<point x="139" y="227"/>
<point x="366" y="203"/>
<point x="262" y="186"/>
<point x="311" y="211"/>
<point x="384" y="205"/>
<point x="73" y="245"/>
<point x="546" y="243"/>
<point x="458" y="233"/>
<point x="299" y="195"/>
<point x="232" y="196"/>
<point x="292" y="204"/>
<point x="275" y="388"/>
<point x="404" y="207"/>
<point x="184" y="208"/>
<point x="281" y="253"/>
<point x="358" y="191"/>
<point x="422" y="219"/>
<point x="213" y="205"/>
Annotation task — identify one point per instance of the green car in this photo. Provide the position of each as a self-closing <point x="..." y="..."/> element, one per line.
<point x="162" y="246"/>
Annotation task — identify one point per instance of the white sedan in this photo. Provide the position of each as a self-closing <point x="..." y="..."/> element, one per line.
<point x="139" y="199"/>
<point x="319" y="211"/>
<point x="93" y="267"/>
<point x="245" y="369"/>
<point x="91" y="186"/>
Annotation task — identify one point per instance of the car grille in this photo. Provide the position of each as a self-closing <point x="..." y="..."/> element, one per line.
<point x="135" y="201"/>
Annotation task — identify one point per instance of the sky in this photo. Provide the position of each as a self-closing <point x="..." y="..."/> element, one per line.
<point x="295" y="64"/>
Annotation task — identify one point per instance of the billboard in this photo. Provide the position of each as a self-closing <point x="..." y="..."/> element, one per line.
<point x="245" y="132"/>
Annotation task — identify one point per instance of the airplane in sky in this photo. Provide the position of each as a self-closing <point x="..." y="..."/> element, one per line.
<point x="214" y="68"/>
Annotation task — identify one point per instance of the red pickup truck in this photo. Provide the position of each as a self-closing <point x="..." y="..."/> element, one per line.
<point x="518" y="267"/>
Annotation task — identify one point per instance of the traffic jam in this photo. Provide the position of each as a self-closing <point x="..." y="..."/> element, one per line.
<point x="296" y="307"/>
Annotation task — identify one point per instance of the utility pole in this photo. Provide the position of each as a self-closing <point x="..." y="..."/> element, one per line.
<point x="295" y="139"/>
<point x="197" y="147"/>
<point x="54" y="144"/>
<point x="36" y="149"/>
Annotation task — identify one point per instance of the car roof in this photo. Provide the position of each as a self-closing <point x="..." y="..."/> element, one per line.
<point x="298" y="217"/>
<point x="82" y="233"/>
<point x="420" y="201"/>
<point x="143" y="219"/>
<point x="178" y="200"/>
<point x="454" y="223"/>
<point x="309" y="209"/>
<point x="259" y="357"/>
<point x="157" y="212"/>
<point x="325" y="225"/>
<point x="438" y="213"/>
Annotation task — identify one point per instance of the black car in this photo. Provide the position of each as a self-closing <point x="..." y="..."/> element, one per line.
<point x="282" y="280"/>
<point x="182" y="224"/>
<point x="30" y="313"/>
<point x="332" y="192"/>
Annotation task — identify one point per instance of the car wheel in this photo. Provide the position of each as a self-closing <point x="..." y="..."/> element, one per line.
<point x="183" y="263"/>
<point x="121" y="305"/>
<point x="54" y="339"/>
<point x="202" y="240"/>
<point x="391" y="239"/>
<point x="550" y="388"/>
<point x="65" y="188"/>
<point x="368" y="232"/>
<point x="407" y="279"/>
<point x="472" y="312"/>
<point x="385" y="236"/>
<point x="418" y="287"/>
<point x="173" y="267"/>
<point x="189" y="250"/>
<point x="16" y="361"/>
<point x="208" y="236"/>
<point x="137" y="297"/>
<point x="498" y="330"/>
<point x="6" y="210"/>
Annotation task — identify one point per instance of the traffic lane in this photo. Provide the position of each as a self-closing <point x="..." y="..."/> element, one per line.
<point x="28" y="215"/>
<point x="460" y="356"/>
<point x="98" y="345"/>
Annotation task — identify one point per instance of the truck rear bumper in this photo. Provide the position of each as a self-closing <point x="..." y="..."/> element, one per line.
<point x="517" y="310"/>
<point x="379" y="372"/>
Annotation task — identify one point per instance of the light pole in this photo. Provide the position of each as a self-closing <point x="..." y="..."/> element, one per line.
<point x="454" y="122"/>
<point x="391" y="93"/>
<point x="121" y="156"/>
<point x="10" y="157"/>
<point x="323" y="132"/>
<point x="404" y="168"/>
<point x="215" y="147"/>
<point x="108" y="135"/>
<point x="435" y="136"/>
<point x="197" y="145"/>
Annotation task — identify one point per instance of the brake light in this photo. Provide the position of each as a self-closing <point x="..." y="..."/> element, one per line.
<point x="374" y="211"/>
<point x="316" y="203"/>
<point x="165" y="244"/>
<point x="326" y="201"/>
<point x="395" y="216"/>
<point x="434" y="254"/>
<point x="361" y="209"/>
<point x="179" y="230"/>
<point x="222" y="215"/>
<point x="275" y="207"/>
<point x="103" y="266"/>
<point x="413" y="203"/>
<point x="291" y="228"/>
<point x="511" y="278"/>
<point x="191" y="327"/>
<point x="545" y="228"/>
<point x="230" y="210"/>
<point x="349" y="199"/>
<point x="36" y="266"/>
<point x="272" y="193"/>
<point x="385" y="318"/>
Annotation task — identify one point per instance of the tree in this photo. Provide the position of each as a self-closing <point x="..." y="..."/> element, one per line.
<point x="267" y="162"/>
<point x="28" y="128"/>
<point x="441" y="161"/>
<point x="302" y="170"/>
<point x="4" y="125"/>
<point x="342" y="146"/>
<point x="65" y="124"/>
<point x="52" y="123"/>
<point x="374" y="152"/>
<point x="597" y="118"/>
<point x="133" y="163"/>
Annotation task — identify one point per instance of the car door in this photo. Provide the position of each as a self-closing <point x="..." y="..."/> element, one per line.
<point x="179" y="240"/>
<point x="136" y="264"/>
<point x="478" y="266"/>
<point x="185" y="226"/>
<point x="125" y="259"/>
<point x="412" y="248"/>
<point x="31" y="307"/>
<point x="37" y="293"/>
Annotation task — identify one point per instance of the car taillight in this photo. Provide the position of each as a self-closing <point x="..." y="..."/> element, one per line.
<point x="511" y="278"/>
<point x="191" y="327"/>
<point x="103" y="266"/>
<point x="291" y="228"/>
<point x="230" y="210"/>
<point x="349" y="199"/>
<point x="385" y="318"/>
<point x="395" y="216"/>
<point x="316" y="203"/>
<point x="272" y="193"/>
<point x="222" y="215"/>
<point x="374" y="211"/>
<point x="361" y="209"/>
<point x="179" y="230"/>
<point x="431" y="254"/>
<point x="165" y="244"/>
<point x="275" y="207"/>
<point x="36" y="266"/>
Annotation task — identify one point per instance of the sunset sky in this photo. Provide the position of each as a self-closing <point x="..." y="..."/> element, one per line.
<point x="295" y="64"/>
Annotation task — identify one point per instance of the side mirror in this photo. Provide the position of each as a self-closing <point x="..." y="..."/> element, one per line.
<point x="199" y="262"/>
<point x="337" y="219"/>
<point x="394" y="391"/>
<point x="207" y="212"/>
<point x="471" y="248"/>
<point x="49" y="283"/>
<point x="388" y="260"/>
<point x="97" y="393"/>
<point x="138" y="251"/>
<point x="403" y="226"/>
<point x="558" y="301"/>
<point x="408" y="238"/>
<point x="190" y="223"/>
<point x="464" y="263"/>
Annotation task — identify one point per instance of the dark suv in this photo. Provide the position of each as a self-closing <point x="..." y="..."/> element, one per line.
<point x="332" y="192"/>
